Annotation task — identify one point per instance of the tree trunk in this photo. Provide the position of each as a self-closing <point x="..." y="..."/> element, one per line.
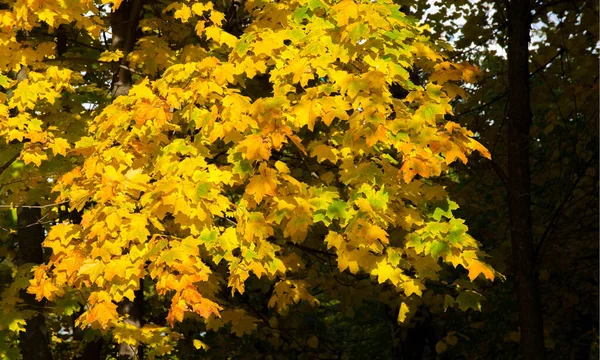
<point x="519" y="183"/>
<point x="124" y="22"/>
<point x="135" y="310"/>
<point x="34" y="341"/>
<point x="93" y="349"/>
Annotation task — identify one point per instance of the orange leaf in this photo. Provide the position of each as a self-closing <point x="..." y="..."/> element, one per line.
<point x="476" y="267"/>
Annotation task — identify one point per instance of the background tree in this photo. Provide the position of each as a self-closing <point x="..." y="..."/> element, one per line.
<point x="563" y="143"/>
<point x="272" y="169"/>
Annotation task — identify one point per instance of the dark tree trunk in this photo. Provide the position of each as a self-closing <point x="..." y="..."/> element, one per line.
<point x="412" y="343"/>
<point x="61" y="40"/>
<point x="93" y="349"/>
<point x="34" y="341"/>
<point x="124" y="22"/>
<point x="519" y="182"/>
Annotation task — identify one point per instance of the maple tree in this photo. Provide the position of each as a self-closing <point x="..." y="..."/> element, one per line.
<point x="210" y="158"/>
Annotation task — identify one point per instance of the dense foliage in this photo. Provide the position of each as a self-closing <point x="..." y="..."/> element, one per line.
<point x="272" y="179"/>
<point x="241" y="178"/>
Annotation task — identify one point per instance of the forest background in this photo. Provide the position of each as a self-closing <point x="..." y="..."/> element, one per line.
<point x="522" y="76"/>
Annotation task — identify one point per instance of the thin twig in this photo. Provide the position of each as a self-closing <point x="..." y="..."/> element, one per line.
<point x="556" y="215"/>
<point x="2" y="206"/>
<point x="504" y="94"/>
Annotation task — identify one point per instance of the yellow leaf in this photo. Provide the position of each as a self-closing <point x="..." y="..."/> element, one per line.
<point x="199" y="27"/>
<point x="142" y="90"/>
<point x="93" y="269"/>
<point x="403" y="314"/>
<point x="379" y="135"/>
<point x="265" y="183"/>
<point x="15" y="134"/>
<point x="34" y="155"/>
<point x="220" y="37"/>
<point x="306" y="113"/>
<point x="183" y="13"/>
<point x="199" y="8"/>
<point x="411" y="287"/>
<point x="128" y="334"/>
<point x="299" y="222"/>
<point x="453" y="153"/>
<point x="17" y="325"/>
<point x="425" y="51"/>
<point x="346" y="262"/>
<point x="282" y="167"/>
<point x="324" y="152"/>
<point x="470" y="73"/>
<point x="412" y="167"/>
<point x="475" y="145"/>
<point x="42" y="288"/>
<point x="206" y="308"/>
<point x="334" y="240"/>
<point x="102" y="313"/>
<point x="256" y="148"/>
<point x="200" y="345"/>
<point x="176" y="312"/>
<point x="216" y="17"/>
<point x="109" y="56"/>
<point x="60" y="146"/>
<point x="453" y="90"/>
<point x="374" y="232"/>
<point x="47" y="15"/>
<point x="213" y="32"/>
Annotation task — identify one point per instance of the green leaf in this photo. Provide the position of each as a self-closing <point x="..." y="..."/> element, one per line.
<point x="448" y="301"/>
<point x="208" y="236"/>
<point x="300" y="14"/>
<point x="316" y="4"/>
<point x="438" y="248"/>
<point x="250" y="254"/>
<point x="4" y="81"/>
<point x="444" y="208"/>
<point x="203" y="189"/>
<point x="242" y="47"/>
<point x="469" y="299"/>
<point x="358" y="32"/>
<point x="337" y="209"/>
<point x="457" y="232"/>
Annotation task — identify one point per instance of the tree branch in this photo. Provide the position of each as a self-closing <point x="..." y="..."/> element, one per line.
<point x="9" y="162"/>
<point x="504" y="94"/>
<point x="558" y="212"/>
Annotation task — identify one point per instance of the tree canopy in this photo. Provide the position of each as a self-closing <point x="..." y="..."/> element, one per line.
<point x="252" y="179"/>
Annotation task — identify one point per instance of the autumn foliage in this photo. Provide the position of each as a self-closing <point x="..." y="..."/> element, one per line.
<point x="273" y="157"/>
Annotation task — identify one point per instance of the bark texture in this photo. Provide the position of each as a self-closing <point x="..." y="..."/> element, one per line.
<point x="124" y="22"/>
<point x="34" y="341"/>
<point x="519" y="182"/>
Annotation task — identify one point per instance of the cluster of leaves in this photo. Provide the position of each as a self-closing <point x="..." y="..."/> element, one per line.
<point x="242" y="176"/>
